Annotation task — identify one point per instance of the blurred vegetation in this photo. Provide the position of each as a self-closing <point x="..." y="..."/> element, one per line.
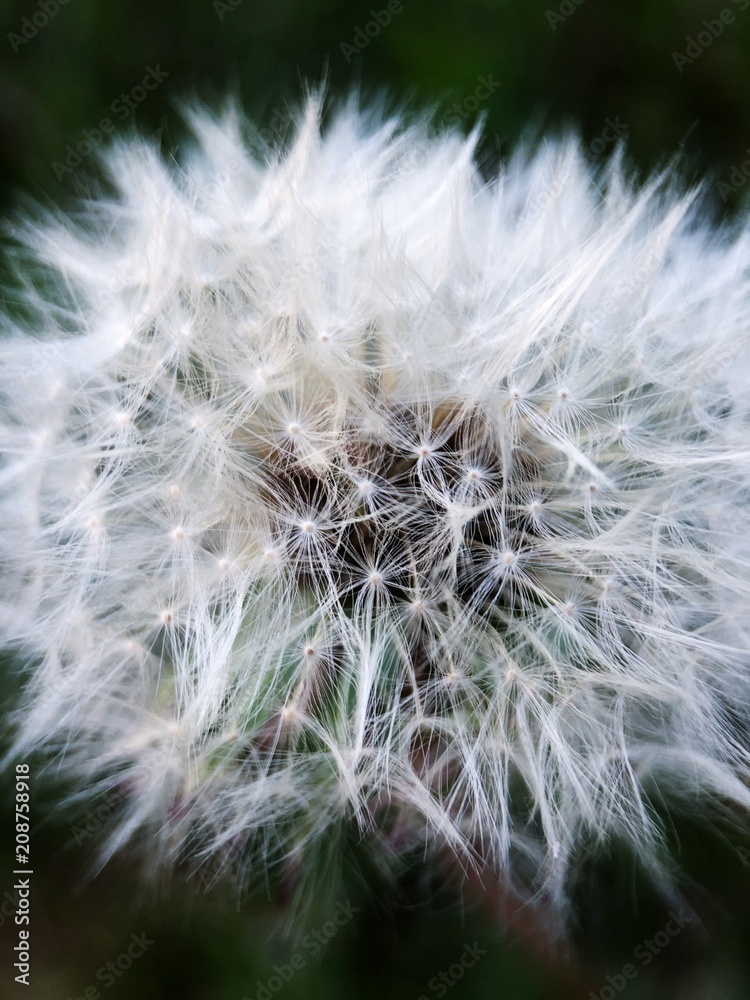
<point x="558" y="65"/>
<point x="202" y="943"/>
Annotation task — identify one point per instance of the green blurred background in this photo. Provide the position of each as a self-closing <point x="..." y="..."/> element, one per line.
<point x="558" y="64"/>
<point x="672" y="76"/>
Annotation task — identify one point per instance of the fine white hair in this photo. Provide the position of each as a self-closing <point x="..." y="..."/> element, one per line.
<point x="342" y="486"/>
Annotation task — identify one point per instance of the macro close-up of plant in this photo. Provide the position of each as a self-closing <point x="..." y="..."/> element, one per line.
<point x="374" y="512"/>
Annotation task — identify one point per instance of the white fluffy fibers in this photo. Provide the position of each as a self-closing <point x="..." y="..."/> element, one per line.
<point x="342" y="488"/>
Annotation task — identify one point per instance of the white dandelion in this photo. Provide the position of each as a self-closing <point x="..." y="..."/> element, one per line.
<point x="360" y="491"/>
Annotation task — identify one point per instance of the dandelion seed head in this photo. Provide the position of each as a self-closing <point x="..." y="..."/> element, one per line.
<point x="447" y="493"/>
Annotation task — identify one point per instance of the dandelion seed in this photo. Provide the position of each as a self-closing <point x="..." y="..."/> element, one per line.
<point x="290" y="714"/>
